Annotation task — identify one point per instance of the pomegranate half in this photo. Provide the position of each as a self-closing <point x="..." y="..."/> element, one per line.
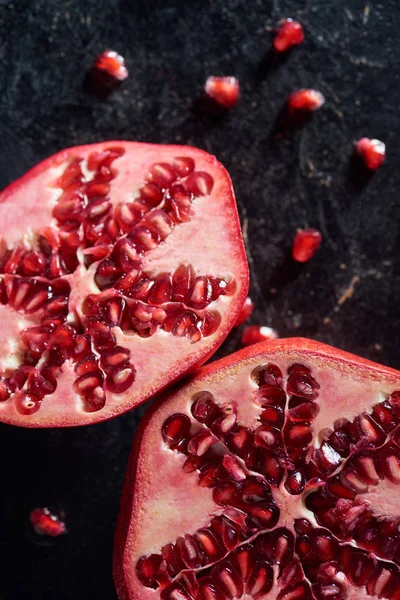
<point x="272" y="474"/>
<point x="122" y="266"/>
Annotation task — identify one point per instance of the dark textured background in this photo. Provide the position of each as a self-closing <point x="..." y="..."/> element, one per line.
<point x="301" y="178"/>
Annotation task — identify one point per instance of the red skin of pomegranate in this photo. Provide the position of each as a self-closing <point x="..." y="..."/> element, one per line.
<point x="114" y="280"/>
<point x="343" y="476"/>
<point x="246" y="312"/>
<point x="288" y="34"/>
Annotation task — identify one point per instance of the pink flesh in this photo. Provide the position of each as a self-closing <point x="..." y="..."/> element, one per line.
<point x="208" y="242"/>
<point x="168" y="503"/>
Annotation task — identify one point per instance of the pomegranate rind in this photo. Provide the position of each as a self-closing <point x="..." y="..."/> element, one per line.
<point x="24" y="196"/>
<point x="147" y="444"/>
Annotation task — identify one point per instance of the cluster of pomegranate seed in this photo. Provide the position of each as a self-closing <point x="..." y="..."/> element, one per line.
<point x="113" y="64"/>
<point x="44" y="522"/>
<point x="225" y="91"/>
<point x="245" y="550"/>
<point x="305" y="244"/>
<point x="116" y="238"/>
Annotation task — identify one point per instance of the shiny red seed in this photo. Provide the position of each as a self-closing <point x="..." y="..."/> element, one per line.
<point x="289" y="33"/>
<point x="26" y="403"/>
<point x="245" y="313"/>
<point x="45" y="522"/>
<point x="254" y="333"/>
<point x="224" y="90"/>
<point x="372" y="152"/>
<point x="175" y="429"/>
<point x="113" y="64"/>
<point x="305" y="244"/>
<point x="306" y="100"/>
<point x="183" y="165"/>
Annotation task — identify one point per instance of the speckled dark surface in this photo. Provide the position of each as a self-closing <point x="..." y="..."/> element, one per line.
<point x="282" y="182"/>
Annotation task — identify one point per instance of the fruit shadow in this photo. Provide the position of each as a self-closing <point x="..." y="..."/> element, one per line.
<point x="358" y="175"/>
<point x="78" y="470"/>
<point x="288" y="121"/>
<point x="285" y="273"/>
<point x="205" y="107"/>
<point x="99" y="84"/>
<point x="271" y="61"/>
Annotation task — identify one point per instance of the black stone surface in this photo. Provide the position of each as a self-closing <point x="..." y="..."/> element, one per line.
<point x="300" y="178"/>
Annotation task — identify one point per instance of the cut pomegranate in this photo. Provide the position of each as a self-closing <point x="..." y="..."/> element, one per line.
<point x="44" y="522"/>
<point x="293" y="494"/>
<point x="110" y="288"/>
<point x="372" y="152"/>
<point x="246" y="312"/>
<point x="113" y="64"/>
<point x="225" y="91"/>
<point x="305" y="244"/>
<point x="305" y="100"/>
<point x="289" y="33"/>
<point x="254" y="334"/>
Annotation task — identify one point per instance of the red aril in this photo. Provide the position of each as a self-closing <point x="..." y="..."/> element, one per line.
<point x="372" y="152"/>
<point x="246" y="312"/>
<point x="278" y="508"/>
<point x="225" y="91"/>
<point x="113" y="64"/>
<point x="255" y="333"/>
<point x="305" y="100"/>
<point x="44" y="522"/>
<point x="110" y="288"/>
<point x="288" y="34"/>
<point x="305" y="244"/>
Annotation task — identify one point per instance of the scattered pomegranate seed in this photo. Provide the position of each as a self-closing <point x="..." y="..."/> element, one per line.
<point x="289" y="33"/>
<point x="224" y="90"/>
<point x="254" y="333"/>
<point x="113" y="64"/>
<point x="305" y="244"/>
<point x="246" y="312"/>
<point x="306" y="100"/>
<point x="372" y="152"/>
<point x="46" y="523"/>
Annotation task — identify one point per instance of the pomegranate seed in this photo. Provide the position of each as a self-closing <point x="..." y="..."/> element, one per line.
<point x="33" y="263"/>
<point x="120" y="378"/>
<point x="254" y="334"/>
<point x="26" y="403"/>
<point x="305" y="244"/>
<point x="46" y="523"/>
<point x="183" y="165"/>
<point x="175" y="429"/>
<point x="204" y="409"/>
<point x="305" y="100"/>
<point x="146" y="569"/>
<point x="5" y="389"/>
<point x="372" y="152"/>
<point x="223" y="90"/>
<point x="289" y="33"/>
<point x="199" y="183"/>
<point x="246" y="312"/>
<point x="113" y="64"/>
